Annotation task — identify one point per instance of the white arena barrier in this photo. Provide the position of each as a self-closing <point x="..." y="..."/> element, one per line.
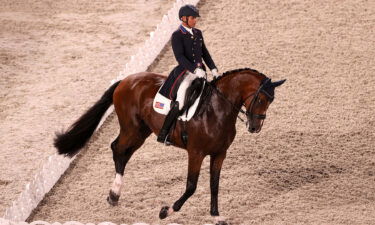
<point x="56" y="165"/>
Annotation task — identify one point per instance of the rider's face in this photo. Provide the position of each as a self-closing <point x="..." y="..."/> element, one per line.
<point x="191" y="21"/>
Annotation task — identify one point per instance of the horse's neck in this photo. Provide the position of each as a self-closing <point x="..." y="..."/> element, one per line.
<point x="234" y="86"/>
<point x="230" y="86"/>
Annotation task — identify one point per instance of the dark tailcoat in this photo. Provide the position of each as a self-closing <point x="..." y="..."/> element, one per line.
<point x="189" y="51"/>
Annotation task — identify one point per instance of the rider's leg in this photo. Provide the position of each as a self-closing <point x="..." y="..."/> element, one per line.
<point x="171" y="117"/>
<point x="185" y="84"/>
<point x="176" y="106"/>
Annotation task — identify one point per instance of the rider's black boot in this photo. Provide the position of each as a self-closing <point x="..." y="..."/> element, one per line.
<point x="171" y="117"/>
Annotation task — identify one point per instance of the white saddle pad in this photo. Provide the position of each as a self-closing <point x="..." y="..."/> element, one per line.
<point x="162" y="105"/>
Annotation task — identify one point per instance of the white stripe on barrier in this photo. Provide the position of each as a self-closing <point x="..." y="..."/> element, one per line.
<point x="56" y="165"/>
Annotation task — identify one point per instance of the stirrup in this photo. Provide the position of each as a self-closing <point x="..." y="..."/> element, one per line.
<point x="166" y="141"/>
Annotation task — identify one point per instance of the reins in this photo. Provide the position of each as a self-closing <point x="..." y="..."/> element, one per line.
<point x="248" y="112"/>
<point x="233" y="106"/>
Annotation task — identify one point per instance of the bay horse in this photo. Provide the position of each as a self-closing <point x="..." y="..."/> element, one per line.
<point x="210" y="132"/>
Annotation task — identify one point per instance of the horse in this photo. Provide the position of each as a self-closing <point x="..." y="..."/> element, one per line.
<point x="210" y="132"/>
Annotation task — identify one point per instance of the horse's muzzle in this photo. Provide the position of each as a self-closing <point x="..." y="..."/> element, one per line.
<point x="254" y="130"/>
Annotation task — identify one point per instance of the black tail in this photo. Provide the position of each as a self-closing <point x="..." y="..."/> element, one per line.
<point x="70" y="142"/>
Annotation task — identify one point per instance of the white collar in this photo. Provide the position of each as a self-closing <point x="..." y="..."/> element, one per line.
<point x="189" y="29"/>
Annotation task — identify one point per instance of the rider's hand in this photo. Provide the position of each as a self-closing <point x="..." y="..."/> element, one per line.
<point x="199" y="72"/>
<point x="215" y="73"/>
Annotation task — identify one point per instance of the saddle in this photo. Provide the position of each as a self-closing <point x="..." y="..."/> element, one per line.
<point x="162" y="104"/>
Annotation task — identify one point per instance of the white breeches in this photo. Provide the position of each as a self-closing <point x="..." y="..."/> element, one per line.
<point x="189" y="77"/>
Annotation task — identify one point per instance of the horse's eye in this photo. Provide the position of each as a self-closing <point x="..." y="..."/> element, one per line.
<point x="260" y="101"/>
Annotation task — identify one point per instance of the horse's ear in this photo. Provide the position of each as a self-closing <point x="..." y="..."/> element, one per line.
<point x="278" y="83"/>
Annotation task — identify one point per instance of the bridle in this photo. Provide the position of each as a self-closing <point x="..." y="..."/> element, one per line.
<point x="249" y="111"/>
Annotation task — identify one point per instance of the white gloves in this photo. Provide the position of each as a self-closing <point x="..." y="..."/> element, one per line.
<point x="199" y="72"/>
<point x="215" y="73"/>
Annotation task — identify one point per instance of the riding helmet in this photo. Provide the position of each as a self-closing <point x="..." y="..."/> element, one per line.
<point x="188" y="10"/>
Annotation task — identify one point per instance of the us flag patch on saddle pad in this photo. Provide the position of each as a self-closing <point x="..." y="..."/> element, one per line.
<point x="159" y="105"/>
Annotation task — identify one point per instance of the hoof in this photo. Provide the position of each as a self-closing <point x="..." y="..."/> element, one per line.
<point x="220" y="221"/>
<point x="113" y="198"/>
<point x="164" y="212"/>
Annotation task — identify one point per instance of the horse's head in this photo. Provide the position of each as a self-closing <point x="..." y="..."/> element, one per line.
<point x="257" y="103"/>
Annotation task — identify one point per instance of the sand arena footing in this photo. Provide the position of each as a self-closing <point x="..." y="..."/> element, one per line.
<point x="56" y="165"/>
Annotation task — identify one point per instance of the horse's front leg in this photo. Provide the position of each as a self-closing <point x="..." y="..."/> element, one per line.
<point x="194" y="166"/>
<point x="215" y="168"/>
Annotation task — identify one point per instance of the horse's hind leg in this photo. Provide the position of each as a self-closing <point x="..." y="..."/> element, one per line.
<point x="123" y="148"/>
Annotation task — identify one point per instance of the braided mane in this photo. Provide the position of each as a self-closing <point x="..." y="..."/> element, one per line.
<point x="236" y="71"/>
<point x="207" y="92"/>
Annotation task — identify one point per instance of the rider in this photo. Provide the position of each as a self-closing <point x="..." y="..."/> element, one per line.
<point x="189" y="49"/>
